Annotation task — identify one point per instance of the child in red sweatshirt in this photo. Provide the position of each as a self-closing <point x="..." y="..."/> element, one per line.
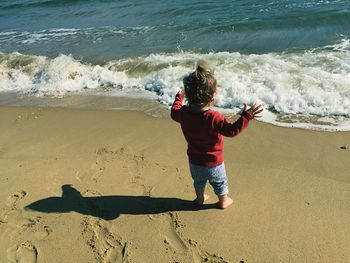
<point x="204" y="129"/>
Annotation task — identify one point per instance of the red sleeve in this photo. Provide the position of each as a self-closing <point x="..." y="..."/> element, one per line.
<point x="176" y="107"/>
<point x="224" y="127"/>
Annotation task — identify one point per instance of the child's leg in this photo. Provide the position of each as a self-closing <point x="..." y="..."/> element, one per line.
<point x="201" y="196"/>
<point x="224" y="201"/>
<point x="199" y="181"/>
<point x="218" y="181"/>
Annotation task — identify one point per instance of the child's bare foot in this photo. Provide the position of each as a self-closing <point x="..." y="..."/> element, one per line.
<point x="201" y="199"/>
<point x="225" y="201"/>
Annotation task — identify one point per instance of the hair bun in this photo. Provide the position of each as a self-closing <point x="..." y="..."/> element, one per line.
<point x="202" y="69"/>
<point x="202" y="65"/>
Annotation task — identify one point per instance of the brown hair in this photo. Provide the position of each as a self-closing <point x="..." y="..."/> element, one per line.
<point x="200" y="85"/>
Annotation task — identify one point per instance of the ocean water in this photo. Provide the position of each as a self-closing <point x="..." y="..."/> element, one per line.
<point x="291" y="56"/>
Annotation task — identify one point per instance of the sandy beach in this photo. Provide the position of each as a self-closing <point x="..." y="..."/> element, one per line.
<point x="114" y="186"/>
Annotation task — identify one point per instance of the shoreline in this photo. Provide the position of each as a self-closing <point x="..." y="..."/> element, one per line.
<point x="86" y="101"/>
<point x="99" y="185"/>
<point x="151" y="106"/>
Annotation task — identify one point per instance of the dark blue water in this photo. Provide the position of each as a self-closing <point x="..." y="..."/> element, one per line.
<point x="105" y="30"/>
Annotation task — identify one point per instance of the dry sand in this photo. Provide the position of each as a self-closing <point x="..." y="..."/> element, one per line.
<point x="114" y="186"/>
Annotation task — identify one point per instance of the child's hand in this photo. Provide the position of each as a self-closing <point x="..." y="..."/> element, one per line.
<point x="181" y="92"/>
<point x="254" y="110"/>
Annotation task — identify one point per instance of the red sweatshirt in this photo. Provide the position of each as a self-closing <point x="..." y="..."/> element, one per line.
<point x="204" y="132"/>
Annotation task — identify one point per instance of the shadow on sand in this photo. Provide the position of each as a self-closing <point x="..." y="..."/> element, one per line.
<point x="112" y="206"/>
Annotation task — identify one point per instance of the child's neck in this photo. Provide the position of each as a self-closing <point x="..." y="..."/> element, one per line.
<point x="198" y="108"/>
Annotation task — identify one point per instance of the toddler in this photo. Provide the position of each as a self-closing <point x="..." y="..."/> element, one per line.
<point x="204" y="129"/>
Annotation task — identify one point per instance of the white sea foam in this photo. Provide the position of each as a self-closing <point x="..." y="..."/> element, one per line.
<point x="343" y="45"/>
<point x="8" y="33"/>
<point x="30" y="37"/>
<point x="309" y="90"/>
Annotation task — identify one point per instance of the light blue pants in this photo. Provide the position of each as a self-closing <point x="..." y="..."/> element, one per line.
<point x="215" y="175"/>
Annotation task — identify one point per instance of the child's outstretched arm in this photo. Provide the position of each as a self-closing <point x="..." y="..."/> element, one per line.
<point x="223" y="126"/>
<point x="176" y="107"/>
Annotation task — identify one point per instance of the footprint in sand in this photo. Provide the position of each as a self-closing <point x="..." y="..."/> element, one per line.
<point x="176" y="243"/>
<point x="131" y="163"/>
<point x="103" y="157"/>
<point x="98" y="169"/>
<point x="34" y="226"/>
<point x="43" y="233"/>
<point x="11" y="205"/>
<point x="23" y="253"/>
<point x="15" y="197"/>
<point x="103" y="243"/>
